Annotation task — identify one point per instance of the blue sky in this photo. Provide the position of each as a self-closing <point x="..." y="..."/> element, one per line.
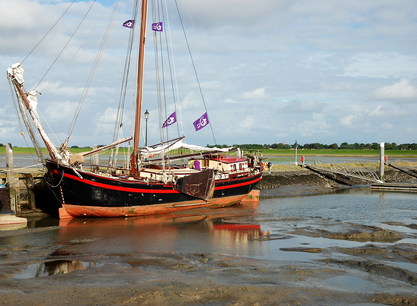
<point x="278" y="71"/>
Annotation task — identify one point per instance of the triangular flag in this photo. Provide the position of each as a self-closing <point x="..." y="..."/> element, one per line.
<point x="129" y="24"/>
<point x="170" y="120"/>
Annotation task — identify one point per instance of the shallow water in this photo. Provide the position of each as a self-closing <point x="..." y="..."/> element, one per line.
<point x="311" y="159"/>
<point x="27" y="160"/>
<point x="291" y="241"/>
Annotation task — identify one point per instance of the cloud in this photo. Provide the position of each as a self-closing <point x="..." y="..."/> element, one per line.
<point x="318" y="72"/>
<point x="382" y="65"/>
<point x="348" y="120"/>
<point x="258" y="93"/>
<point x="400" y="90"/>
<point x="59" y="112"/>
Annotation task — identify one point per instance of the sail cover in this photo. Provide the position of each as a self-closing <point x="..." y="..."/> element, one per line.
<point x="16" y="71"/>
<point x="149" y="151"/>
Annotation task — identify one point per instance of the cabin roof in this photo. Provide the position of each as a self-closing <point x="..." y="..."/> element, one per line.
<point x="228" y="159"/>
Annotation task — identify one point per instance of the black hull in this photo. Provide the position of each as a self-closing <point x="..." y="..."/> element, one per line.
<point x="126" y="197"/>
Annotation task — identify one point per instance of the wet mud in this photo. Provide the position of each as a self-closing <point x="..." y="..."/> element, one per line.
<point x="301" y="181"/>
<point x="101" y="263"/>
<point x="245" y="255"/>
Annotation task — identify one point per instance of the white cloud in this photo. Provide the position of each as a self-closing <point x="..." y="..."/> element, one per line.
<point x="348" y="120"/>
<point x="258" y="93"/>
<point x="59" y="112"/>
<point x="318" y="72"/>
<point x="400" y="90"/>
<point x="382" y="65"/>
<point x="108" y="116"/>
<point x="378" y="111"/>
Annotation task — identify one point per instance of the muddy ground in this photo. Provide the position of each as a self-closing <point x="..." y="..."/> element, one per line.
<point x="294" y="181"/>
<point x="85" y="270"/>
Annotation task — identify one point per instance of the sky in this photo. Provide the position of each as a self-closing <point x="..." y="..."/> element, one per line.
<point x="271" y="71"/>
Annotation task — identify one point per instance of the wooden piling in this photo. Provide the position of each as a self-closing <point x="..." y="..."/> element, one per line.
<point x="382" y="162"/>
<point x="7" y="218"/>
<point x="13" y="183"/>
<point x="20" y="185"/>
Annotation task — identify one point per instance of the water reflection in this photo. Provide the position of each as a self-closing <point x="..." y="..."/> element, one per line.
<point x="54" y="267"/>
<point x="198" y="230"/>
<point x="63" y="266"/>
<point x="236" y="233"/>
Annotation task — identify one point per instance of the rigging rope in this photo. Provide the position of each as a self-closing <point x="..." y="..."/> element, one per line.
<point x="68" y="41"/>
<point x="194" y="67"/>
<point x="171" y="63"/>
<point x="92" y="72"/>
<point x="118" y="126"/>
<point x="160" y="13"/>
<point x="47" y="33"/>
<point x="29" y="127"/>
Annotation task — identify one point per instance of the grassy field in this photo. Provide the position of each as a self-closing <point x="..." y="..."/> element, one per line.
<point x="338" y="152"/>
<point x="324" y="152"/>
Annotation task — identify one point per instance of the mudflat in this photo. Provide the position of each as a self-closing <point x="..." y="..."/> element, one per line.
<point x="343" y="247"/>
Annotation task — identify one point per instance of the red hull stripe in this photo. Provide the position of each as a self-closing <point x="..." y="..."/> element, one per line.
<point x="113" y="187"/>
<point x="137" y="190"/>
<point x="238" y="185"/>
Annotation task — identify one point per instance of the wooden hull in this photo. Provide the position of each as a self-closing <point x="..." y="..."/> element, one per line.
<point x="84" y="194"/>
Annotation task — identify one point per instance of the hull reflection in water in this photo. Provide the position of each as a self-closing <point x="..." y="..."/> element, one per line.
<point x="237" y="233"/>
<point x="199" y="230"/>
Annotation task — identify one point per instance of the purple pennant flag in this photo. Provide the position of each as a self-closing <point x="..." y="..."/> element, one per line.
<point x="158" y="26"/>
<point x="129" y="24"/>
<point x="170" y="120"/>
<point x="201" y="122"/>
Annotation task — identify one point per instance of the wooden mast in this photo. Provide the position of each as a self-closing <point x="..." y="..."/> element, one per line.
<point x="136" y="136"/>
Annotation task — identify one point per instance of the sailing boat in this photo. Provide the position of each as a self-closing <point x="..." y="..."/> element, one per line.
<point x="150" y="183"/>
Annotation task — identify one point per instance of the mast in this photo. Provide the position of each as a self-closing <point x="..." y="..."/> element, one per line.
<point x="136" y="136"/>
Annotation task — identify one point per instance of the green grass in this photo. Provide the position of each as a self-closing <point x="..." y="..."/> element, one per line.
<point x="340" y="152"/>
<point x="29" y="150"/>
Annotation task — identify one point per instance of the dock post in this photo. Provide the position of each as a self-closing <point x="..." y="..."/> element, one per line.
<point x="11" y="179"/>
<point x="381" y="161"/>
<point x="30" y="187"/>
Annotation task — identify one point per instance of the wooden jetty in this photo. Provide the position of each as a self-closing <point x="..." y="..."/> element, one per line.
<point x="399" y="187"/>
<point x="17" y="195"/>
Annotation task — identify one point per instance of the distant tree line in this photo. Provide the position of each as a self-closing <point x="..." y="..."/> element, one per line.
<point x="334" y="146"/>
<point x="311" y="146"/>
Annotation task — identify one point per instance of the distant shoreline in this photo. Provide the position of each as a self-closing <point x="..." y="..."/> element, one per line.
<point x="265" y="152"/>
